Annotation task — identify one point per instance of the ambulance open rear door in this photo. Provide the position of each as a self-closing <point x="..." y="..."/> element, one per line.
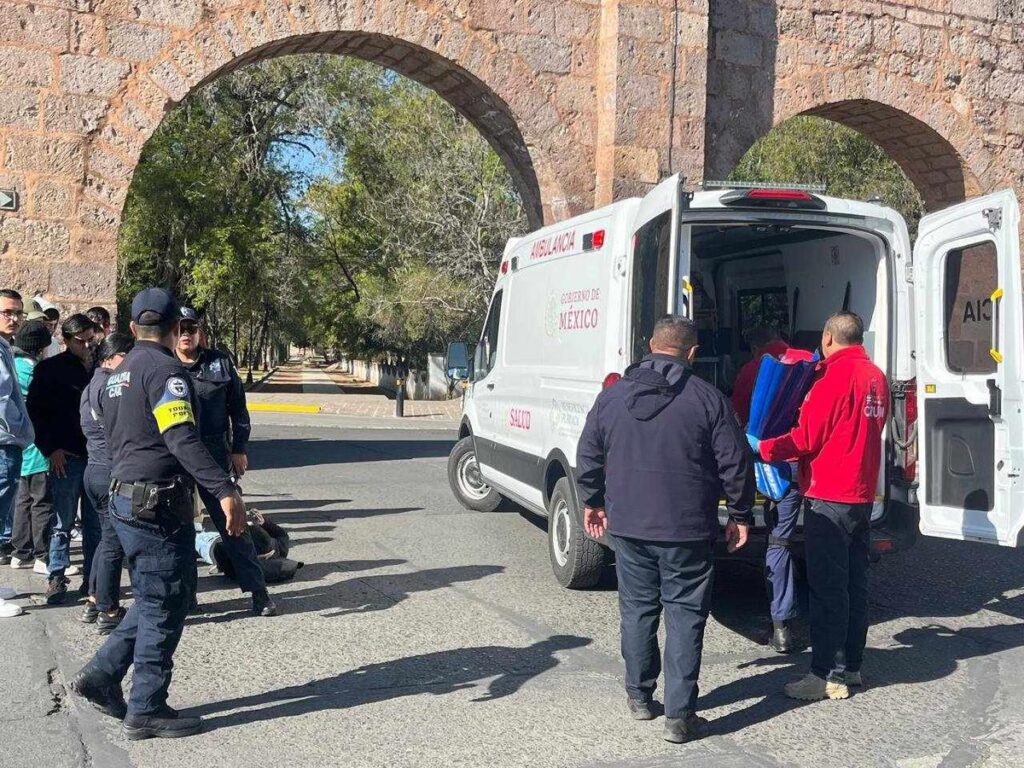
<point x="660" y="262"/>
<point x="970" y="371"/>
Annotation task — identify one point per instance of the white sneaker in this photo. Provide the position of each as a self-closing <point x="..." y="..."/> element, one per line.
<point x="813" y="688"/>
<point x="41" y="568"/>
<point x="9" y="610"/>
<point x="72" y="570"/>
<point x="17" y="563"/>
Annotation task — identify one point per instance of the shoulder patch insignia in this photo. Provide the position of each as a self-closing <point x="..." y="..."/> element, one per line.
<point x="177" y="387"/>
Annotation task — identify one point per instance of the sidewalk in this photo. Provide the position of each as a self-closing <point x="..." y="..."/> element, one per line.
<point x="294" y="388"/>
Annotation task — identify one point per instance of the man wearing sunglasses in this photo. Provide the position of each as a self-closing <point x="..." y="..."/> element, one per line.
<point x="224" y="427"/>
<point x="53" y="400"/>
<point x="15" y="427"/>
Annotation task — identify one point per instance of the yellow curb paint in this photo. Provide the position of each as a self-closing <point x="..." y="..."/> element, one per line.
<point x="284" y="407"/>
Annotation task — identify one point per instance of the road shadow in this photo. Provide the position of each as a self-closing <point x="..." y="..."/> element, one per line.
<point x="278" y="505"/>
<point x="295" y="542"/>
<point x="939" y="578"/>
<point x="318" y="515"/>
<point x="437" y="673"/>
<point x="925" y="654"/>
<point x="363" y="594"/>
<point x="309" y="572"/>
<point x="290" y="453"/>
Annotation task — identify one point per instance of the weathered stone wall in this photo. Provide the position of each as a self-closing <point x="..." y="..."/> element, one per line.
<point x="586" y="100"/>
<point x="942" y="91"/>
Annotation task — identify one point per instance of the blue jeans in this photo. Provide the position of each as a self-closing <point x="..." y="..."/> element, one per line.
<point x="68" y="492"/>
<point x="162" y="564"/>
<point x="778" y="558"/>
<point x="676" y="577"/>
<point x="105" y="574"/>
<point x="10" y="475"/>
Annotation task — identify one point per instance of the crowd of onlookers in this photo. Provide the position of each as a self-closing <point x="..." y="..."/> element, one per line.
<point x="46" y="497"/>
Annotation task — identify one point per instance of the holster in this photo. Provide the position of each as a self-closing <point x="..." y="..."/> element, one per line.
<point x="152" y="502"/>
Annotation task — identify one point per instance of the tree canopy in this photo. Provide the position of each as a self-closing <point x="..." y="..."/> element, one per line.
<point x="808" y="150"/>
<point x="324" y="201"/>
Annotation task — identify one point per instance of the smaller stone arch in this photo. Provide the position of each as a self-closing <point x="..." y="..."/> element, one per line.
<point x="930" y="161"/>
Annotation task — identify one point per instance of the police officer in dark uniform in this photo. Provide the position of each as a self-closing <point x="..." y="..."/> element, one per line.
<point x="224" y="428"/>
<point x="149" y="412"/>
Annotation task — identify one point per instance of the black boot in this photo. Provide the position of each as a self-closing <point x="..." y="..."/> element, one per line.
<point x="782" y="637"/>
<point x="262" y="605"/>
<point x="690" y="727"/>
<point x="100" y="691"/>
<point x="167" y="724"/>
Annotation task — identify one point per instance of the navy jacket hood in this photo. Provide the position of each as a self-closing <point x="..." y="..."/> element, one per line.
<point x="652" y="384"/>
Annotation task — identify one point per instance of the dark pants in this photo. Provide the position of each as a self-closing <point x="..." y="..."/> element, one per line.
<point x="676" y="576"/>
<point x="239" y="549"/>
<point x="779" y="568"/>
<point x="162" y="564"/>
<point x="838" y="546"/>
<point x="33" y="518"/>
<point x="105" y="574"/>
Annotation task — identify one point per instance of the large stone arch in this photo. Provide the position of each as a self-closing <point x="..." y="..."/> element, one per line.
<point x="511" y="111"/>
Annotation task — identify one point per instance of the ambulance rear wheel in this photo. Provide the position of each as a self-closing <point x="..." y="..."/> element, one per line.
<point x="464" y="478"/>
<point x="576" y="559"/>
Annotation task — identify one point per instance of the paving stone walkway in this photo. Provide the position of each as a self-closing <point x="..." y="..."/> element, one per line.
<point x="298" y="384"/>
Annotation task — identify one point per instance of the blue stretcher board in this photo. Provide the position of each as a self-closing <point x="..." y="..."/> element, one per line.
<point x="778" y="392"/>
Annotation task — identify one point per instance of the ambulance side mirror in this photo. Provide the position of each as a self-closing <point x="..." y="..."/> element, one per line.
<point x="456" y="361"/>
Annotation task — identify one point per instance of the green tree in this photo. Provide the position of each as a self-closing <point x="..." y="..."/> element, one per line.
<point x="323" y="198"/>
<point x="807" y="150"/>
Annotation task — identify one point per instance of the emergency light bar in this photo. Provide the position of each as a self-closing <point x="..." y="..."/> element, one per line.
<point x="817" y="187"/>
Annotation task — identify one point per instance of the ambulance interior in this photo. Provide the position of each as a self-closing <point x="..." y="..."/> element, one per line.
<point x="786" y="277"/>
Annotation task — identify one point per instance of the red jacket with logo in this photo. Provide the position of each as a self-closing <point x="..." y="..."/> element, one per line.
<point x="838" y="437"/>
<point x="743" y="386"/>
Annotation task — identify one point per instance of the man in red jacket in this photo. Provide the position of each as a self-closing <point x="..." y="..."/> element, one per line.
<point x="838" y="442"/>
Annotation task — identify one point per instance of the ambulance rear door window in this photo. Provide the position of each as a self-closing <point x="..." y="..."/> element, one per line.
<point x="971" y="275"/>
<point x="650" y="280"/>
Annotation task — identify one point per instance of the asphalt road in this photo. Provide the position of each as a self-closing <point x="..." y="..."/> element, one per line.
<point x="421" y="634"/>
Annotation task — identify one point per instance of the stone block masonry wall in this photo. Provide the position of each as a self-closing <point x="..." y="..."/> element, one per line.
<point x="587" y="101"/>
<point x="939" y="85"/>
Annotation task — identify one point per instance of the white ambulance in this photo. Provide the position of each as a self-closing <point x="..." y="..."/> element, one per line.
<point x="575" y="303"/>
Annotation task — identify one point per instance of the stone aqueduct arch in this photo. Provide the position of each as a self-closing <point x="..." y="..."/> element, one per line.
<point x="586" y="101"/>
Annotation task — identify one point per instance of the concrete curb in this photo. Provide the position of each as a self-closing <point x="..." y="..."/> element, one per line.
<point x="283" y="407"/>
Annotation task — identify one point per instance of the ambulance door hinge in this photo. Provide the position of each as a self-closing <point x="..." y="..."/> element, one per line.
<point x="910" y="272"/>
<point x="994" y="217"/>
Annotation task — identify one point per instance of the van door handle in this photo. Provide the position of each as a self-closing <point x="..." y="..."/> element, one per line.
<point x="995" y="398"/>
<point x="490" y="386"/>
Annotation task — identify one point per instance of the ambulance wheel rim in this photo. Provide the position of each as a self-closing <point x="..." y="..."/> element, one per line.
<point x="561" y="533"/>
<point x="470" y="482"/>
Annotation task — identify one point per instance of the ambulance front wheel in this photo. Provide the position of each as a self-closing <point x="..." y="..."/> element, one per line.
<point x="577" y="560"/>
<point x="464" y="478"/>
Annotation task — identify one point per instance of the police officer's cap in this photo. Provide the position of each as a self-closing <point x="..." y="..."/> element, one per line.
<point x="189" y="314"/>
<point x="156" y="300"/>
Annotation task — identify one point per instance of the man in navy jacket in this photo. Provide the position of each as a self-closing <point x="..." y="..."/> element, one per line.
<point x="659" y="449"/>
